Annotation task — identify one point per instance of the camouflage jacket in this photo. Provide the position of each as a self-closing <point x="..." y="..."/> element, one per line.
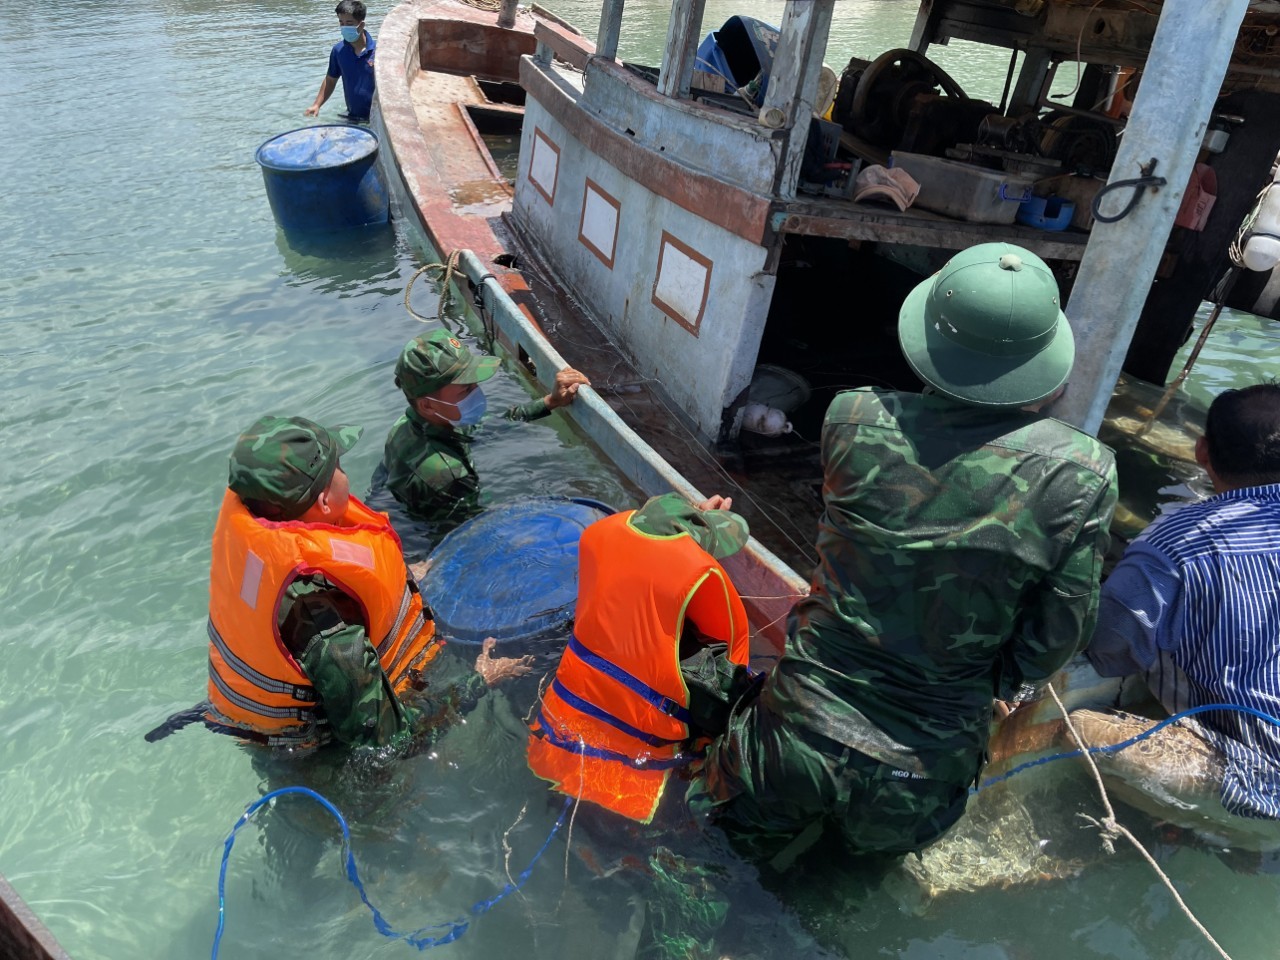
<point x="323" y="628"/>
<point x="429" y="468"/>
<point x="960" y="552"/>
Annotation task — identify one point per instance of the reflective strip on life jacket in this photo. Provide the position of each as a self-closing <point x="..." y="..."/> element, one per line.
<point x="546" y="730"/>
<point x="414" y="628"/>
<point x="253" y="706"/>
<point x="582" y="705"/>
<point x="386" y="641"/>
<point x="259" y="680"/>
<point x="612" y="670"/>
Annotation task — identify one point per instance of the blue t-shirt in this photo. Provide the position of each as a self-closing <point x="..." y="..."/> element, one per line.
<point x="356" y="71"/>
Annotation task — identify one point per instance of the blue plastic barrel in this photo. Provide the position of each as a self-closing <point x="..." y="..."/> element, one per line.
<point x="510" y="573"/>
<point x="324" y="178"/>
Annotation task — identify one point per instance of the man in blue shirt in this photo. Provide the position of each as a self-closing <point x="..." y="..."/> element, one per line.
<point x="352" y="60"/>
<point x="1194" y="607"/>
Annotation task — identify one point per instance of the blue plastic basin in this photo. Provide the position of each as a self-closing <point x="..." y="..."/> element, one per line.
<point x="324" y="178"/>
<point x="510" y="573"/>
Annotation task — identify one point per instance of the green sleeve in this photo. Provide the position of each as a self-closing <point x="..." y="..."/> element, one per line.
<point x="1059" y="617"/>
<point x="354" y="692"/>
<point x="450" y="696"/>
<point x="715" y="684"/>
<point x="533" y="410"/>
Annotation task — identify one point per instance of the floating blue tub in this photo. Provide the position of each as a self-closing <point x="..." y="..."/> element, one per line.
<point x="512" y="572"/>
<point x="324" y="178"/>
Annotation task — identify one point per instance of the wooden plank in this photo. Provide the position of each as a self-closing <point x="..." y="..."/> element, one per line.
<point x="540" y="11"/>
<point x="573" y="48"/>
<point x="769" y="587"/>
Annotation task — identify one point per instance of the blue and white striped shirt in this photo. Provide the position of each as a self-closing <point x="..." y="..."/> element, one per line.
<point x="1195" y="606"/>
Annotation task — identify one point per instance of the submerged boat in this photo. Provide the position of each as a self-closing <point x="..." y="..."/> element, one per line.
<point x="686" y="233"/>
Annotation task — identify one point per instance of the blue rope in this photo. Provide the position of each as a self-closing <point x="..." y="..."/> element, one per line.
<point x="416" y="938"/>
<point x="1117" y="747"/>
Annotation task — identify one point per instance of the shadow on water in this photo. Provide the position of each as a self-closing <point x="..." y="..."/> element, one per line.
<point x="338" y="260"/>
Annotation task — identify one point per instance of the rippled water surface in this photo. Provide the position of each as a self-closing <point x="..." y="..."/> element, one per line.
<point x="150" y="310"/>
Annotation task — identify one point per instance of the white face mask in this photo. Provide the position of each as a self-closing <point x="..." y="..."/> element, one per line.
<point x="470" y="409"/>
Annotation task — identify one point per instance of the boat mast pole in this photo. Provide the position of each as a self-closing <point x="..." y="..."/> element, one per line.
<point x="1189" y="57"/>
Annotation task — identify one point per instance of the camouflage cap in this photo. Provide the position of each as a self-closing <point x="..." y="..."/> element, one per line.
<point x="286" y="462"/>
<point x="437" y="359"/>
<point x="721" y="533"/>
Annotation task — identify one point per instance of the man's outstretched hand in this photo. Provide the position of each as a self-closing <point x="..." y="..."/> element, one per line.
<point x="496" y="669"/>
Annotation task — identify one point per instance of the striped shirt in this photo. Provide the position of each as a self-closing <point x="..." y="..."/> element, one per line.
<point x="1195" y="606"/>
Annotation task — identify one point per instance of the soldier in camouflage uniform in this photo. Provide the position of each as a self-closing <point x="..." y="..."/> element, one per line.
<point x="960" y="555"/>
<point x="427" y="455"/>
<point x="286" y="469"/>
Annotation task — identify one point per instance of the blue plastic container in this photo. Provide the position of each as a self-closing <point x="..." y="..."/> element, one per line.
<point x="324" y="178"/>
<point x="510" y="573"/>
<point x="1046" y="213"/>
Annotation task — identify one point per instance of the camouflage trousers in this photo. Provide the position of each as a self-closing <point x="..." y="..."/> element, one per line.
<point x="772" y="787"/>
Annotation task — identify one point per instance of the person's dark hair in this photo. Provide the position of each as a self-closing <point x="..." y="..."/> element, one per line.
<point x="266" y="510"/>
<point x="351" y="8"/>
<point x="1242" y="431"/>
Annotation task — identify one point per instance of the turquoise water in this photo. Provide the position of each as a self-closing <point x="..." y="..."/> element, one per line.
<point x="150" y="310"/>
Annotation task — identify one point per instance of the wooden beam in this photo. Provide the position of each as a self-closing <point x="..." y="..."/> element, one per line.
<point x="684" y="32"/>
<point x="1184" y="72"/>
<point x="573" y="48"/>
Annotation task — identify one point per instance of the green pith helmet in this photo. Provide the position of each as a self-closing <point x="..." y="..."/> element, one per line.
<point x="987" y="329"/>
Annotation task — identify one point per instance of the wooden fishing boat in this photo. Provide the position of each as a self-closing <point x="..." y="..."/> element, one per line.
<point x="673" y="230"/>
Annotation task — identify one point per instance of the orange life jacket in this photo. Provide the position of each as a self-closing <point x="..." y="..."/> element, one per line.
<point x="614" y="721"/>
<point x="254" y="682"/>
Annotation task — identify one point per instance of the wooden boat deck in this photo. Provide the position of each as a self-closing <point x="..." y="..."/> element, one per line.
<point x="440" y="101"/>
<point x="847" y="220"/>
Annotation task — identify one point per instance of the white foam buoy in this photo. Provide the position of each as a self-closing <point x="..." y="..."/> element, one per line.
<point x="767" y="421"/>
